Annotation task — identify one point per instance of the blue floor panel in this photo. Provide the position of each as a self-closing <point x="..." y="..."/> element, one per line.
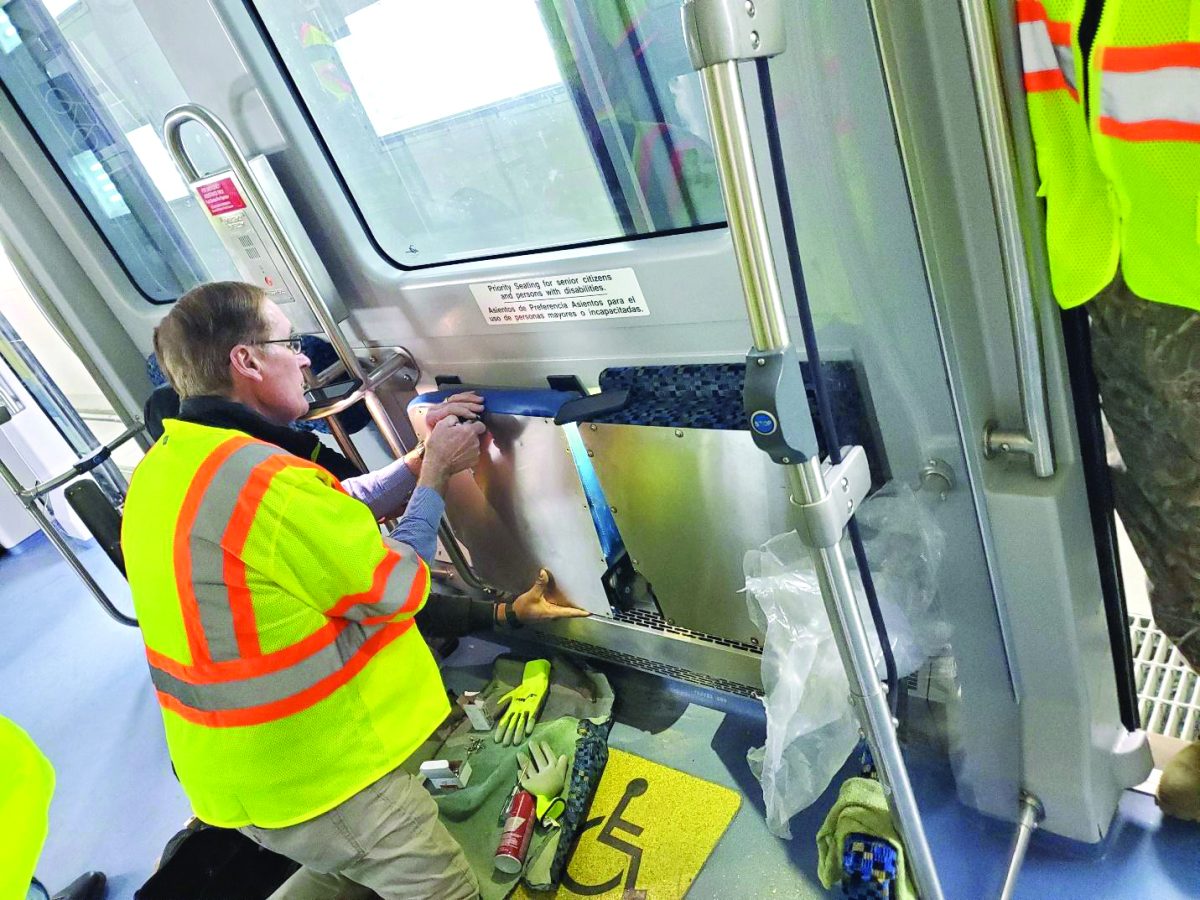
<point x="77" y="681"/>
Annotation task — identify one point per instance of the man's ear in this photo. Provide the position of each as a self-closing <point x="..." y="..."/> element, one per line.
<point x="244" y="363"/>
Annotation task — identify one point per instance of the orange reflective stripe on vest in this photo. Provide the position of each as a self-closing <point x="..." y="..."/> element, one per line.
<point x="1046" y="54"/>
<point x="230" y="681"/>
<point x="263" y="698"/>
<point x="387" y="596"/>
<point x="1151" y="93"/>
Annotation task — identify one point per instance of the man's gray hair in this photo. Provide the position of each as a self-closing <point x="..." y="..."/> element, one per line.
<point x="194" y="340"/>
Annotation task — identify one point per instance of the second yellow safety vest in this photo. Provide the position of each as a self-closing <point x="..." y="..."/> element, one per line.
<point x="278" y="626"/>
<point x="1145" y="102"/>
<point x="1122" y="179"/>
<point x="1081" y="214"/>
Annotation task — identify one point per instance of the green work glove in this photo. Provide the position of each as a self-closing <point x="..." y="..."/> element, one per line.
<point x="544" y="776"/>
<point x="524" y="701"/>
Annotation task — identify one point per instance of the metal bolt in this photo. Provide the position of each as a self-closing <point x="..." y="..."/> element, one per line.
<point x="592" y="426"/>
<point x="754" y="641"/>
<point x="849" y="506"/>
<point x="936" y="475"/>
<point x="786" y="460"/>
<point x="633" y="562"/>
<point x="678" y="432"/>
<point x="591" y="453"/>
<point x="613" y="510"/>
<point x="755" y="40"/>
<point x="1006" y="447"/>
<point x="845" y="484"/>
<point x="670" y="621"/>
<point x="750" y="10"/>
<point x="760" y="362"/>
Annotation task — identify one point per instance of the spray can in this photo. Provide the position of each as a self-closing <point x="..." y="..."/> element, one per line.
<point x="518" y="831"/>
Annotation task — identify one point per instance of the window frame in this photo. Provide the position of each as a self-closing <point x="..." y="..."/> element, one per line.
<point x="71" y="189"/>
<point x="268" y="42"/>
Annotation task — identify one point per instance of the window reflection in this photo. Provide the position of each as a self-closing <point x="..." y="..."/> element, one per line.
<point x="539" y="124"/>
<point x="94" y="86"/>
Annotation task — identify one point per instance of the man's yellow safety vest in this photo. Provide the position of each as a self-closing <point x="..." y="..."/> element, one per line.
<point x="278" y="626"/>
<point x="1121" y="179"/>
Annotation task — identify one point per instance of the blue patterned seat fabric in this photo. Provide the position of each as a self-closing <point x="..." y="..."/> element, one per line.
<point x="710" y="396"/>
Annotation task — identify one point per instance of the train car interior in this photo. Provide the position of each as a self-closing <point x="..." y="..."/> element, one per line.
<point x="756" y="300"/>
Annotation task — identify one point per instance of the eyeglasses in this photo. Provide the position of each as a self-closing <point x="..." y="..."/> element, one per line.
<point x="294" y="342"/>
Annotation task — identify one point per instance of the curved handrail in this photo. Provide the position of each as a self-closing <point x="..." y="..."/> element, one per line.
<point x="173" y="124"/>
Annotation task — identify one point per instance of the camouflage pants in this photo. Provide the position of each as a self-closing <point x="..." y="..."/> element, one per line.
<point x="1147" y="360"/>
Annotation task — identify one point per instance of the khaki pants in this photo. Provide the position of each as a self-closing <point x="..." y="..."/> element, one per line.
<point x="1147" y="360"/>
<point x="385" y="839"/>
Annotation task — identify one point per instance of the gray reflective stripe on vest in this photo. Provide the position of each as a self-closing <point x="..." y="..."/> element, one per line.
<point x="1171" y="94"/>
<point x="1040" y="54"/>
<point x="398" y="587"/>
<point x="204" y="545"/>
<point x="1066" y="62"/>
<point x="259" y="690"/>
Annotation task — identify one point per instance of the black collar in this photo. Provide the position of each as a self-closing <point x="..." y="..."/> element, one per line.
<point x="220" y="412"/>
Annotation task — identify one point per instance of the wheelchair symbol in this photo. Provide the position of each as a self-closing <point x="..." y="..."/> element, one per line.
<point x="615" y="822"/>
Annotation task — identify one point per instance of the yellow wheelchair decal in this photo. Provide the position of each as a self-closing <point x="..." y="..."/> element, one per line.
<point x="650" y="829"/>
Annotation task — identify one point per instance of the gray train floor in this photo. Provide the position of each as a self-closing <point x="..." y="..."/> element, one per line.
<point x="76" y="680"/>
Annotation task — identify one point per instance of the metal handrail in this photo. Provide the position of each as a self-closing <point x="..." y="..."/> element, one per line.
<point x="93" y="459"/>
<point x="719" y="34"/>
<point x="31" y="499"/>
<point x="376" y="376"/>
<point x="173" y="138"/>
<point x="1035" y="439"/>
<point x="1032" y="814"/>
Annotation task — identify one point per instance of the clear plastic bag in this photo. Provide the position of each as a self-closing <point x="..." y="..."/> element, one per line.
<point x="811" y="728"/>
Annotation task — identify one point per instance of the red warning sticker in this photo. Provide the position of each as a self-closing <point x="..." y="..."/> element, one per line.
<point x="221" y="196"/>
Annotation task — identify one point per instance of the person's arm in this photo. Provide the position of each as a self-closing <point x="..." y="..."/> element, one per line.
<point x="419" y="526"/>
<point x="328" y="552"/>
<point x="386" y="490"/>
<point x="456" y="615"/>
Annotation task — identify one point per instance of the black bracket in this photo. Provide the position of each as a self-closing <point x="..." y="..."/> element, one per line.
<point x="776" y="406"/>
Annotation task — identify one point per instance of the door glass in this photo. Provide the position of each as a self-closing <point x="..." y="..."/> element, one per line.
<point x="93" y="85"/>
<point x="36" y="355"/>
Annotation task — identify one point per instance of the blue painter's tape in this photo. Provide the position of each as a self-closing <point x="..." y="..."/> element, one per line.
<point x="506" y="401"/>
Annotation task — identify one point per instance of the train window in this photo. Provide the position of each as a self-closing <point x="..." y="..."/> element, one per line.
<point x="465" y="129"/>
<point x="93" y="86"/>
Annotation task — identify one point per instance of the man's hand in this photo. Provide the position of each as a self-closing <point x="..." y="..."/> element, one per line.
<point x="543" y="602"/>
<point x="466" y="406"/>
<point x="452" y="446"/>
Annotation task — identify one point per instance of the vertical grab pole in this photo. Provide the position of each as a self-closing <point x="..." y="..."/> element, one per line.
<point x="720" y="33"/>
<point x="173" y="138"/>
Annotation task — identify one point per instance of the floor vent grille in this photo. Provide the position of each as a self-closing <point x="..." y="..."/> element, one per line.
<point x="1168" y="690"/>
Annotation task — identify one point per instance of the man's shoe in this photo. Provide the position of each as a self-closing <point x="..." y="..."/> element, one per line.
<point x="88" y="886"/>
<point x="1179" y="788"/>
